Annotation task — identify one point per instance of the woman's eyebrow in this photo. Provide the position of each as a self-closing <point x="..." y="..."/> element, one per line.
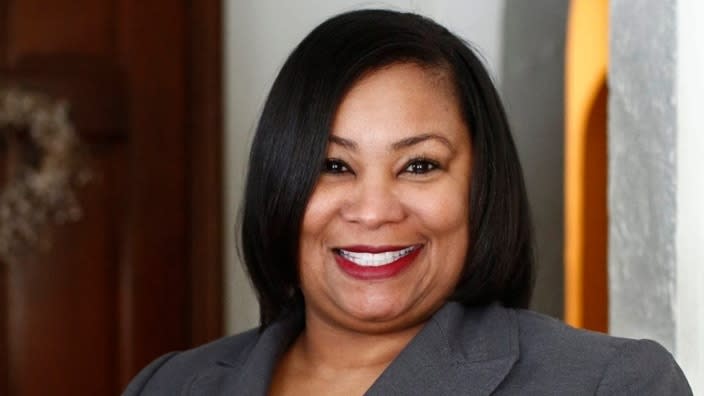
<point x="401" y="144"/>
<point x="413" y="140"/>
<point x="343" y="142"/>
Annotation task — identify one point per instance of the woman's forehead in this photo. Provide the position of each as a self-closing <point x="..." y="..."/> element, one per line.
<point x="399" y="101"/>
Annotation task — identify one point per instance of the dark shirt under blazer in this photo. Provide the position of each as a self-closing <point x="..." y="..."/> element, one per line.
<point x="460" y="351"/>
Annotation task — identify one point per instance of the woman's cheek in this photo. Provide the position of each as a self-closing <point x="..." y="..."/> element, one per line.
<point x="323" y="205"/>
<point x="439" y="208"/>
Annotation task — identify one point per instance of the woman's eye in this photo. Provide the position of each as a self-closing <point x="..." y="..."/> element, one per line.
<point x="421" y="166"/>
<point x="335" y="166"/>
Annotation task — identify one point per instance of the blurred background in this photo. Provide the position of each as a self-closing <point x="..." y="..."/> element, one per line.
<point x="164" y="97"/>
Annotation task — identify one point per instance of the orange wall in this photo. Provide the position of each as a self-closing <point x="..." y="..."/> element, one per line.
<point x="586" y="280"/>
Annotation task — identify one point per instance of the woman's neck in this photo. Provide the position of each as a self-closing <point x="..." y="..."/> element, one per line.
<point x="329" y="359"/>
<point x="331" y="347"/>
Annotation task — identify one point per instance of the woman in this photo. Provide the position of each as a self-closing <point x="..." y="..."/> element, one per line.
<point x="386" y="231"/>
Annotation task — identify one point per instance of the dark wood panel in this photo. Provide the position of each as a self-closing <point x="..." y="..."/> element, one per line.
<point x="156" y="217"/>
<point x="61" y="315"/>
<point x="3" y="33"/>
<point x="205" y="143"/>
<point x="93" y="87"/>
<point x="62" y="302"/>
<point x="4" y="367"/>
<point x="48" y="27"/>
<point x="141" y="273"/>
<point x="4" y="344"/>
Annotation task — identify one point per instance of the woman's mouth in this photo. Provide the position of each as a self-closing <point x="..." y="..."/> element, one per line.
<point x="369" y="262"/>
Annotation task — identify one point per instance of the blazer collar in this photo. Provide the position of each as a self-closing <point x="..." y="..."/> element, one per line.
<point x="467" y="351"/>
<point x="459" y="351"/>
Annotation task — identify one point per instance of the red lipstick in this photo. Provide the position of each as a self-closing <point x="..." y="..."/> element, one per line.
<point x="368" y="272"/>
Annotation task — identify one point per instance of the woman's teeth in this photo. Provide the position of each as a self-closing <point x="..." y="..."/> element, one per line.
<point x="374" y="259"/>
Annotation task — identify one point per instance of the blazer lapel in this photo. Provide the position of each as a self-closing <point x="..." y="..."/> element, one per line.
<point x="249" y="375"/>
<point x="460" y="351"/>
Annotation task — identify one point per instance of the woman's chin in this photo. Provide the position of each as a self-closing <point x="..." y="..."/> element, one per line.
<point x="376" y="315"/>
<point x="379" y="314"/>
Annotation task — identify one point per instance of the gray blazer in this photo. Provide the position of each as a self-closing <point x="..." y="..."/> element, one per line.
<point x="460" y="351"/>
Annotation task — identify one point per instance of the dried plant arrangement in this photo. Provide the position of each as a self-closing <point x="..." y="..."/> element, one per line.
<point x="43" y="169"/>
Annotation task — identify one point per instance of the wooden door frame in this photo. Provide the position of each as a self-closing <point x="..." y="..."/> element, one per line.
<point x="202" y="57"/>
<point x="206" y="175"/>
<point x="200" y="156"/>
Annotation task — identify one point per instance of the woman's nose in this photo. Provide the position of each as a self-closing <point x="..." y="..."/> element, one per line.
<point x="373" y="203"/>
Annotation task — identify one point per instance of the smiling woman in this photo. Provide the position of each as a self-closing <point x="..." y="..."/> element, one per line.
<point x="390" y="193"/>
<point x="387" y="234"/>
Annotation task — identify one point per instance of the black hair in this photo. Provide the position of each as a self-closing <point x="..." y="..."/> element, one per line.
<point x="291" y="139"/>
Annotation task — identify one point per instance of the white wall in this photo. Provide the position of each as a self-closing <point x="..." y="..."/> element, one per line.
<point x="642" y="169"/>
<point x="690" y="193"/>
<point x="656" y="197"/>
<point x="259" y="34"/>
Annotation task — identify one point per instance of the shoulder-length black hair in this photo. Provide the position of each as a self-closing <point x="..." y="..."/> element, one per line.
<point x="291" y="140"/>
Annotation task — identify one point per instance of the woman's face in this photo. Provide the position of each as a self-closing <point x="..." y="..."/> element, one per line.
<point x="385" y="233"/>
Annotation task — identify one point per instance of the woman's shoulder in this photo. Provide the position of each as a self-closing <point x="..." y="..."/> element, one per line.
<point x="538" y="354"/>
<point x="554" y="351"/>
<point x="537" y="330"/>
<point x="540" y="334"/>
<point x="172" y="372"/>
